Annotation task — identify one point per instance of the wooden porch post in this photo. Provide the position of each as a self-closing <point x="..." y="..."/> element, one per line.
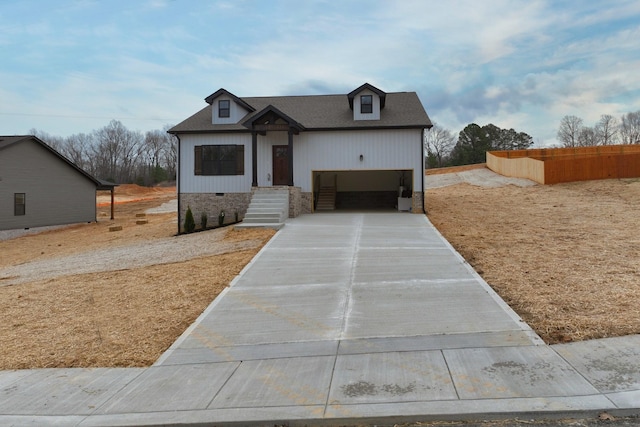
<point x="112" y="201"/>
<point x="254" y="158"/>
<point x="290" y="157"/>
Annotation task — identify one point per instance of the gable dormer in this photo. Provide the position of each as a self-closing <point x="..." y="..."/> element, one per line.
<point x="226" y="108"/>
<point x="366" y="102"/>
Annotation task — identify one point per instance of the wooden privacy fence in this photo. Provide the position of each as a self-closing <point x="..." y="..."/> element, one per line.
<point x="554" y="165"/>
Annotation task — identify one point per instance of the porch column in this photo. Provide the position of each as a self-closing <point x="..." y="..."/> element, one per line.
<point x="112" y="201"/>
<point x="290" y="157"/>
<point x="254" y="159"/>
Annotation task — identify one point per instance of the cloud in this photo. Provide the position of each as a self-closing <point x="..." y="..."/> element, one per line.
<point x="505" y="62"/>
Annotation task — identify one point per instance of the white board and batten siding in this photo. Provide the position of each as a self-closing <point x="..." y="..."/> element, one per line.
<point x="236" y="112"/>
<point x="375" y="113"/>
<point x="341" y="150"/>
<point x="191" y="183"/>
<point x="55" y="192"/>
<point x="312" y="151"/>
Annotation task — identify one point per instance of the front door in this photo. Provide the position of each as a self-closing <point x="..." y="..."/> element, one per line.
<point x="280" y="165"/>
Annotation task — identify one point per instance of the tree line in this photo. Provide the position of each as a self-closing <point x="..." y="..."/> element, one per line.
<point x="607" y="131"/>
<point x="473" y="142"/>
<point x="443" y="149"/>
<point x="119" y="155"/>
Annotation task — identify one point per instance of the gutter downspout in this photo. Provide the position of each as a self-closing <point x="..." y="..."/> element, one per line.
<point x="423" y="177"/>
<point x="178" y="181"/>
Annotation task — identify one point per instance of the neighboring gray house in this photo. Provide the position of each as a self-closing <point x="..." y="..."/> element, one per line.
<point x="354" y="150"/>
<point x="40" y="187"/>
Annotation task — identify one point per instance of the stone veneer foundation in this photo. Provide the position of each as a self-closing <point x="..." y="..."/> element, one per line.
<point x="306" y="203"/>
<point x="231" y="203"/>
<point x="212" y="204"/>
<point x="417" y="202"/>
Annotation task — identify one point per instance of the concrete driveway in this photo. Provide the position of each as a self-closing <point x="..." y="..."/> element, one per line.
<point x="344" y="318"/>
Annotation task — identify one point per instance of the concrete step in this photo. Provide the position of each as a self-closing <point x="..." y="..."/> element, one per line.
<point x="258" y="196"/>
<point x="267" y="204"/>
<point x="259" y="220"/>
<point x="257" y="209"/>
<point x="263" y="215"/>
<point x="269" y="197"/>
<point x="275" y="226"/>
<point x="267" y="209"/>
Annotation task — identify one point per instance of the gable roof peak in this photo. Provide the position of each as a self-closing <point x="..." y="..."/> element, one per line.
<point x="351" y="95"/>
<point x="209" y="99"/>
<point x="269" y="113"/>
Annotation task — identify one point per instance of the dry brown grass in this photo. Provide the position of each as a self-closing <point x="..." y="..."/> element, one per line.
<point x="566" y="257"/>
<point x="126" y="317"/>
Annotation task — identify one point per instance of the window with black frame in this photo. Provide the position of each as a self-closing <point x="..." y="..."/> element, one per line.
<point x="219" y="160"/>
<point x="224" y="108"/>
<point x="366" y="104"/>
<point x="20" y="204"/>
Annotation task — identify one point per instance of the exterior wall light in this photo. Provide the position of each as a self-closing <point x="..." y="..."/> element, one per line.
<point x="361" y="157"/>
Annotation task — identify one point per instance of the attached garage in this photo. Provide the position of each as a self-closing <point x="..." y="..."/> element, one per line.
<point x="363" y="189"/>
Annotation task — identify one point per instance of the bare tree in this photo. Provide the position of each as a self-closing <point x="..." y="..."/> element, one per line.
<point x="116" y="150"/>
<point x="76" y="148"/>
<point x="588" y="137"/>
<point x="630" y="128"/>
<point x="132" y="150"/>
<point x="55" y="142"/>
<point x="171" y="155"/>
<point x="438" y="143"/>
<point x="607" y="130"/>
<point x="569" y="131"/>
<point x="158" y="156"/>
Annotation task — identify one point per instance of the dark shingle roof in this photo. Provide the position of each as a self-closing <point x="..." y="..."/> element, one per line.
<point x="319" y="112"/>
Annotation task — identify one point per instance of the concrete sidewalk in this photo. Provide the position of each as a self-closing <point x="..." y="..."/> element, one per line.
<point x="344" y="318"/>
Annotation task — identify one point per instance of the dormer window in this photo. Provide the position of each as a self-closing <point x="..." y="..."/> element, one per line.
<point x="224" y="108"/>
<point x="366" y="104"/>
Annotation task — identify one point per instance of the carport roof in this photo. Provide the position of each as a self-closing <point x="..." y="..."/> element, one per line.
<point x="317" y="113"/>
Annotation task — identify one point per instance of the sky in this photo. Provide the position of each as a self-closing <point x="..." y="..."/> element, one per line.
<point x="71" y="66"/>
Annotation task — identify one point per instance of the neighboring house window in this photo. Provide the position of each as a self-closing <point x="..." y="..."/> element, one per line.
<point x="366" y="104"/>
<point x="219" y="160"/>
<point x="19" y="205"/>
<point x="224" y="108"/>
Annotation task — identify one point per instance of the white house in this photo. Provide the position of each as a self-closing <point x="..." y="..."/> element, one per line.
<point x="363" y="149"/>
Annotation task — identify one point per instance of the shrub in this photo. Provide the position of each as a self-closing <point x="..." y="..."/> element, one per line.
<point x="189" y="223"/>
<point x="203" y="220"/>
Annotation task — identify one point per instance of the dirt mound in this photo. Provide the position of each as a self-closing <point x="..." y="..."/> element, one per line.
<point x="137" y="190"/>
<point x="127" y="193"/>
